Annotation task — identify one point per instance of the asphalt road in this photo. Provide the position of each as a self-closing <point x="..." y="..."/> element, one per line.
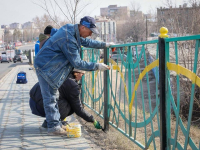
<point x="27" y="47"/>
<point x="6" y="67"/>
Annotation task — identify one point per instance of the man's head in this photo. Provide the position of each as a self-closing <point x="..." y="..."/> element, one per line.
<point x="78" y="74"/>
<point x="47" y="30"/>
<point x="87" y="27"/>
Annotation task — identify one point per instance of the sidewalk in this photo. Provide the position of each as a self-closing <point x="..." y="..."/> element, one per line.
<point x="19" y="128"/>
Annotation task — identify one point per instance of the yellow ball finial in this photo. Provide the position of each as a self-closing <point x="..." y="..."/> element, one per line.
<point x="163" y="32"/>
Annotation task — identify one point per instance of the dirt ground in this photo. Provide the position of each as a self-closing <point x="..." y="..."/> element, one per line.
<point x="111" y="140"/>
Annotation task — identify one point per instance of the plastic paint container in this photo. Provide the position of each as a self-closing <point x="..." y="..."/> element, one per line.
<point x="73" y="130"/>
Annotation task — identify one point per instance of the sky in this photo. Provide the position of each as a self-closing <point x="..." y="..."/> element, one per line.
<point x="22" y="11"/>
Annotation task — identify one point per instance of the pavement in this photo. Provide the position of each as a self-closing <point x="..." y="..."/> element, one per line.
<point x="19" y="128"/>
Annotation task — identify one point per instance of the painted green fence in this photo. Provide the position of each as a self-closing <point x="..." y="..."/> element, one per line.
<point x="128" y="95"/>
<point x="181" y="65"/>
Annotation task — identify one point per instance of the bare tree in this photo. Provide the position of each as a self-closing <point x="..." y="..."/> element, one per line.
<point x="16" y="35"/>
<point x="180" y="20"/>
<point x="43" y="21"/>
<point x="70" y="9"/>
<point x="133" y="28"/>
<point x="7" y="36"/>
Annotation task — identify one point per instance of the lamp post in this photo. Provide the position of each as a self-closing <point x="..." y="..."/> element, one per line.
<point x="146" y="28"/>
<point x="22" y="35"/>
<point x="3" y="40"/>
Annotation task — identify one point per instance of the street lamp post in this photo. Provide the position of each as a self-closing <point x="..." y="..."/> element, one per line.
<point x="146" y="28"/>
<point x="2" y="39"/>
<point x="22" y="35"/>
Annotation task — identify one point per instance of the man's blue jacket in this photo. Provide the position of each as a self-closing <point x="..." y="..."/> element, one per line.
<point x="61" y="53"/>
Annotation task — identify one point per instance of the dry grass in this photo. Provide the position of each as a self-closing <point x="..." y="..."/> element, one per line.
<point x="109" y="140"/>
<point x="113" y="139"/>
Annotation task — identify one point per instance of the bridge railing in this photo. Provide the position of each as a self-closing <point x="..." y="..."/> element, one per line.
<point x="128" y="95"/>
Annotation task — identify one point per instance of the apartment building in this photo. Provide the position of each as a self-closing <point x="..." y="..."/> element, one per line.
<point x="114" y="12"/>
<point x="136" y="14"/>
<point x="28" y="25"/>
<point x="107" y="29"/>
<point x="1" y="35"/>
<point x="180" y="19"/>
<point x="15" y="26"/>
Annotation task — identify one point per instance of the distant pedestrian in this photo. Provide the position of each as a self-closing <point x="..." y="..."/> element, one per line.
<point x="43" y="38"/>
<point x="57" y="58"/>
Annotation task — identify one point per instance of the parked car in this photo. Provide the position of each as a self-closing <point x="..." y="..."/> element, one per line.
<point x="10" y="59"/>
<point x="24" y="57"/>
<point x="102" y="56"/>
<point x="5" y="59"/>
<point x="117" y="57"/>
<point x="17" y="58"/>
<point x="2" y="46"/>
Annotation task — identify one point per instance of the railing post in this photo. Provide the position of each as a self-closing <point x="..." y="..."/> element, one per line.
<point x="30" y="57"/>
<point x="162" y="85"/>
<point x="93" y="79"/>
<point x="82" y="80"/>
<point x="106" y="91"/>
<point x="130" y="60"/>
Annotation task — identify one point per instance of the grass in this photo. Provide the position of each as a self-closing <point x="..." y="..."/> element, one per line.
<point x="116" y="140"/>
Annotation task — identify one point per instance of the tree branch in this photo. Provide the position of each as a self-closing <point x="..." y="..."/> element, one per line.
<point x="46" y="9"/>
<point x="61" y="10"/>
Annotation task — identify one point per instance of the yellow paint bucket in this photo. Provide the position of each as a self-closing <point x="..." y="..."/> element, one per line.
<point x="73" y="130"/>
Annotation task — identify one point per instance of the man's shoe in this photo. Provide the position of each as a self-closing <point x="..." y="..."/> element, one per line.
<point x="44" y="124"/>
<point x="56" y="131"/>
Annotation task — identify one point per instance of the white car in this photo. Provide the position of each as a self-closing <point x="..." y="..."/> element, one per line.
<point x="24" y="57"/>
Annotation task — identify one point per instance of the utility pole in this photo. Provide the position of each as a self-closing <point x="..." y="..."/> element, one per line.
<point x="3" y="38"/>
<point x="22" y="35"/>
<point x="31" y="34"/>
<point x="146" y="28"/>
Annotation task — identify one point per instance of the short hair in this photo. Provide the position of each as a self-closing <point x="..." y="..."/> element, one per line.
<point x="47" y="30"/>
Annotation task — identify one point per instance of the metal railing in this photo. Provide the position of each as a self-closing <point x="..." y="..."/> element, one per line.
<point x="129" y="97"/>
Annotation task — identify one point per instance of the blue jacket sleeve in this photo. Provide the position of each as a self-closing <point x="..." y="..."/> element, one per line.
<point x="71" y="51"/>
<point x="92" y="43"/>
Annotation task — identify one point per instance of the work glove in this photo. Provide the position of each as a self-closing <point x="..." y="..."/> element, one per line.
<point x="102" y="66"/>
<point x="97" y="125"/>
<point x="109" y="44"/>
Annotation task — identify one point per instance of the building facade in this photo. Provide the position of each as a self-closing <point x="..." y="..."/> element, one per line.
<point x="28" y="25"/>
<point x="136" y="14"/>
<point x="107" y="29"/>
<point x="5" y="26"/>
<point x="1" y="36"/>
<point x="180" y="20"/>
<point x="114" y="12"/>
<point x="15" y="26"/>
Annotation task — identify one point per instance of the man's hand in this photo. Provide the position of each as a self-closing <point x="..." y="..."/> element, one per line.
<point x="97" y="125"/>
<point x="109" y="44"/>
<point x="102" y="66"/>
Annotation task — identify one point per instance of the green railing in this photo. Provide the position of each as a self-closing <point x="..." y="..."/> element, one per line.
<point x="183" y="67"/>
<point x="128" y="96"/>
